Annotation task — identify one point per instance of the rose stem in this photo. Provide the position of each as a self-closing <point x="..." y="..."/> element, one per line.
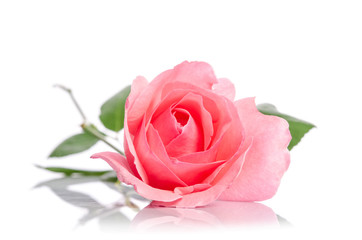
<point x="88" y="127"/>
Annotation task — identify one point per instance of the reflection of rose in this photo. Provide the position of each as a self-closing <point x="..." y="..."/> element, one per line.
<point x="216" y="214"/>
<point x="188" y="143"/>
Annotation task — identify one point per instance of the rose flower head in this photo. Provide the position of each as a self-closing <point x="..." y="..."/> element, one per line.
<point x="188" y="143"/>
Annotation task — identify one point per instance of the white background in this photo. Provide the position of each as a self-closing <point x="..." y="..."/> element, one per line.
<point x="305" y="57"/>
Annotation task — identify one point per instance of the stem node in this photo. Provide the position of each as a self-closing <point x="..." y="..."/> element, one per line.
<point x="87" y="126"/>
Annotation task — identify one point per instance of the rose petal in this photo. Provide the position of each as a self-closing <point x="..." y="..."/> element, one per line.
<point x="138" y="86"/>
<point x="229" y="169"/>
<point x="120" y="165"/>
<point x="166" y="126"/>
<point x="193" y="173"/>
<point x="267" y="159"/>
<point x="225" y="88"/>
<point x="226" y="123"/>
<point x="196" y="199"/>
<point x="193" y="103"/>
<point x="190" y="173"/>
<point x="224" y="178"/>
<point x="201" y="157"/>
<point x="190" y="140"/>
<point x="233" y="137"/>
<point x="199" y="74"/>
<point x="131" y="153"/>
<point x="159" y="175"/>
<point x="221" y="109"/>
<point x="190" y="189"/>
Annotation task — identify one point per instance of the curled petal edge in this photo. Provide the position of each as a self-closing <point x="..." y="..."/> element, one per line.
<point x="124" y="174"/>
<point x="225" y="88"/>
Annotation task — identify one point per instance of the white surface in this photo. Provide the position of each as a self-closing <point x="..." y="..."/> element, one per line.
<point x="302" y="56"/>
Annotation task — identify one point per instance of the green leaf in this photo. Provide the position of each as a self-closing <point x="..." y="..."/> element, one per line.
<point x="112" y="111"/>
<point x="75" y="144"/>
<point x="69" y="171"/>
<point x="298" y="128"/>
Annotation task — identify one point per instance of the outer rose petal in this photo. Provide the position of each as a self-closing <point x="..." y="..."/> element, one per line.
<point x="196" y="199"/>
<point x="138" y="85"/>
<point x="120" y="165"/>
<point x="131" y="154"/>
<point x="159" y="175"/>
<point x="224" y="87"/>
<point x="268" y="157"/>
<point x="198" y="74"/>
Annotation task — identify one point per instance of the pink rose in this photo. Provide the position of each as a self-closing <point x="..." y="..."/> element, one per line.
<point x="188" y="143"/>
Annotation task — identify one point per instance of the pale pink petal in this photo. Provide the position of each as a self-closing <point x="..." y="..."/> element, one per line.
<point x="225" y="88"/>
<point x="200" y="74"/>
<point x="120" y="165"/>
<point x="184" y="190"/>
<point x="190" y="189"/>
<point x="193" y="200"/>
<point x="201" y="187"/>
<point x="138" y="86"/>
<point x="268" y="158"/>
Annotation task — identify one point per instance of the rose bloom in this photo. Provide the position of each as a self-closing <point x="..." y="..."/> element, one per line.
<point x="188" y="143"/>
